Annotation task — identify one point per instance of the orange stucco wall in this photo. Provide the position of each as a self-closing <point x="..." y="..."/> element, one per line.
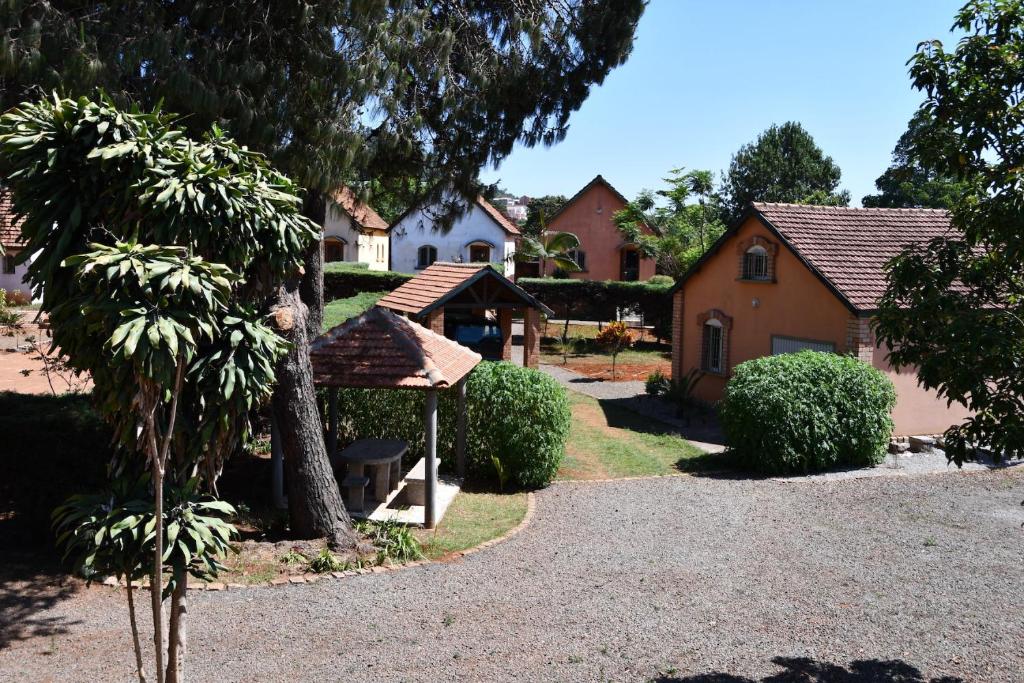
<point x="589" y="217"/>
<point x="797" y="304"/>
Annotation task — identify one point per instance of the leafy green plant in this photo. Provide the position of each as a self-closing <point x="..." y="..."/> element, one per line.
<point x="10" y="319"/>
<point x="500" y="471"/>
<point x="293" y="556"/>
<point x="680" y="390"/>
<point x="394" y="541"/>
<point x="615" y="338"/>
<point x="326" y="562"/>
<point x="807" y="411"/>
<point x="568" y="346"/>
<point x="657" y="384"/>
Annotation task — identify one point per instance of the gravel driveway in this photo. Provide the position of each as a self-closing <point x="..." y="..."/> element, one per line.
<point x="680" y="577"/>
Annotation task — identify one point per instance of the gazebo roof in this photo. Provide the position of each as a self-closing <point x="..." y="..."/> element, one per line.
<point x="381" y="350"/>
<point x="440" y="282"/>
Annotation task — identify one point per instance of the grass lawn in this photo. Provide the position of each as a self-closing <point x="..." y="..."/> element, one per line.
<point x="633" y="364"/>
<point x="472" y="518"/>
<point x="340" y="310"/>
<point x="607" y="441"/>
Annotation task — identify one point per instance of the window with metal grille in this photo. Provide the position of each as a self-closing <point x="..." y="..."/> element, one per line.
<point x="782" y="345"/>
<point x="425" y="256"/>
<point x="9" y="265"/>
<point x="713" y="351"/>
<point x="580" y="257"/>
<point x="755" y="264"/>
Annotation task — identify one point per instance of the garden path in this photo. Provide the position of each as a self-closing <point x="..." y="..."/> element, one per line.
<point x="675" y="579"/>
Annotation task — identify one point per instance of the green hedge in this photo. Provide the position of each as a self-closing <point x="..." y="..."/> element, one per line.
<point x="345" y="280"/>
<point x="53" y="447"/>
<point x="520" y="415"/>
<point x="807" y="411"/>
<point x="597" y="300"/>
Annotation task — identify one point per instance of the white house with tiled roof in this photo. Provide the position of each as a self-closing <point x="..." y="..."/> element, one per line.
<point x="482" y="234"/>
<point x="354" y="232"/>
<point x="12" y="273"/>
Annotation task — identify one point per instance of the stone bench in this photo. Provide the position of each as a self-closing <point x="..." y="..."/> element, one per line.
<point x="355" y="485"/>
<point x="416" y="484"/>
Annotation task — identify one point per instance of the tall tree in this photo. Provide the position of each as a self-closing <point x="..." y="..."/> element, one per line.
<point x="784" y="164"/>
<point x="680" y="229"/>
<point x="954" y="309"/>
<point x="539" y="211"/>
<point x="332" y="91"/>
<point x="911" y="183"/>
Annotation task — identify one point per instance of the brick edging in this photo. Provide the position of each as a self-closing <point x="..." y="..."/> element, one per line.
<point x="531" y="507"/>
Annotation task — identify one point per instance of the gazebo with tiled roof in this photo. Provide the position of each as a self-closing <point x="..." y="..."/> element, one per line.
<point x="470" y="287"/>
<point x="382" y="350"/>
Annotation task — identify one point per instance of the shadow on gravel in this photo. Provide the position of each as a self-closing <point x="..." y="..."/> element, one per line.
<point x="26" y="591"/>
<point x="804" y="670"/>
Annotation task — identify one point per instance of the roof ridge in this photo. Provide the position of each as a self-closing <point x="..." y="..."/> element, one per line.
<point x="868" y="209"/>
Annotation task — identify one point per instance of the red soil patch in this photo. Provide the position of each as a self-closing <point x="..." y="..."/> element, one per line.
<point x="623" y="371"/>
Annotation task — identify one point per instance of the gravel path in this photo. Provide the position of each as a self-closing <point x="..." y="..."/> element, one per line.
<point x="626" y="581"/>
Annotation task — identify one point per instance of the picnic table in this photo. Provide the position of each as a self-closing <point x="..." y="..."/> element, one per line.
<point x="382" y="456"/>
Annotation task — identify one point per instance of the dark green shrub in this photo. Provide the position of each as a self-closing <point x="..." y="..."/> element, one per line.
<point x="594" y="300"/>
<point x="342" y="280"/>
<point x="807" y="411"/>
<point x="517" y="414"/>
<point x="54" y="446"/>
<point x="521" y="416"/>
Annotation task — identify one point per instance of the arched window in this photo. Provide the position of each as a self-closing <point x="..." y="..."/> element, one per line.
<point x="425" y="256"/>
<point x="579" y="256"/>
<point x="479" y="252"/>
<point x="713" y="347"/>
<point x="755" y="263"/>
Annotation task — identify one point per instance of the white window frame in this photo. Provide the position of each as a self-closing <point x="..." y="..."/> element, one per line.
<point x="755" y="256"/>
<point x="712" y="345"/>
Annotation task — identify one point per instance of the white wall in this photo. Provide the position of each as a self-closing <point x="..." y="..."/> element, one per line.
<point x="15" y="281"/>
<point x="359" y="246"/>
<point x="416" y="230"/>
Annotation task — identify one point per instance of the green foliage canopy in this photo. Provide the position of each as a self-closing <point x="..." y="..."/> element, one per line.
<point x="807" y="411"/>
<point x="153" y="249"/>
<point x="784" y="164"/>
<point x="911" y="183"/>
<point x="954" y="308"/>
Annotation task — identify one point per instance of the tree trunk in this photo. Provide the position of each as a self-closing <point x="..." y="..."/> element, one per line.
<point x="176" y="631"/>
<point x="139" y="667"/>
<point x="314" y="502"/>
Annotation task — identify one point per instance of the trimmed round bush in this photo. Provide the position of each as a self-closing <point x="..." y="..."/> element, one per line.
<point x="517" y="415"/>
<point x="807" y="411"/>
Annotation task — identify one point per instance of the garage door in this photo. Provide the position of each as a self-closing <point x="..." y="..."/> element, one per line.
<point x="790" y="345"/>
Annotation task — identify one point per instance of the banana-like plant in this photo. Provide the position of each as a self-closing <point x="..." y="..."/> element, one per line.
<point x="556" y="247"/>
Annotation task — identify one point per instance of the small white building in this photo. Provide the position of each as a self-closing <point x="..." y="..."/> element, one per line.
<point x="354" y="232"/>
<point x="480" y="235"/>
<point x="12" y="277"/>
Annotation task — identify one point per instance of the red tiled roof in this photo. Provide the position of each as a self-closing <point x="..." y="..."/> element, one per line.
<point x="441" y="281"/>
<point x="436" y="280"/>
<point x="362" y="213"/>
<point x="499" y="218"/>
<point x="10" y="227"/>
<point x="850" y="246"/>
<point x="380" y="349"/>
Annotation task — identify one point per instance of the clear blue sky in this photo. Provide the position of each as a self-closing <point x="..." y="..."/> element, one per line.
<point x="708" y="76"/>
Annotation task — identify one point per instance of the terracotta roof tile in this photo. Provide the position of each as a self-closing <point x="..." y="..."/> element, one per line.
<point x="430" y="285"/>
<point x="10" y="226"/>
<point x="850" y="246"/>
<point x="499" y="218"/>
<point x="362" y="213"/>
<point x="380" y="349"/>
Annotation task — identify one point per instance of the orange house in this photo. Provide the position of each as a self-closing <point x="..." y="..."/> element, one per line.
<point x="787" y="277"/>
<point x="604" y="254"/>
